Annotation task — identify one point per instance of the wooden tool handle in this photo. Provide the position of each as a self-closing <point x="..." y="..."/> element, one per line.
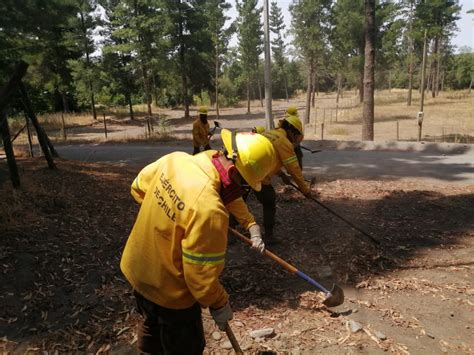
<point x="233" y="340"/>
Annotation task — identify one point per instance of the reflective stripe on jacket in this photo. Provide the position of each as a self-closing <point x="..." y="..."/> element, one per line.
<point x="200" y="133"/>
<point x="176" y="249"/>
<point x="286" y="157"/>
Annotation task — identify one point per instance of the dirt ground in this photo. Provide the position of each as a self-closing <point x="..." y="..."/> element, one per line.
<point x="62" y="291"/>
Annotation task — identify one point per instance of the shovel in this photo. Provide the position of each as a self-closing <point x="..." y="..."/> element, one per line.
<point x="334" y="297"/>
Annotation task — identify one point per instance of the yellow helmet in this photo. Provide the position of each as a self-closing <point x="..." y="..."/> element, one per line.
<point x="292" y="111"/>
<point x="254" y="157"/>
<point x="202" y="110"/>
<point x="258" y="129"/>
<point x="295" y="122"/>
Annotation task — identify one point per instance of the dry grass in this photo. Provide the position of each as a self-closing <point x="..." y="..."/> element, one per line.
<point x="54" y="120"/>
<point x="448" y="117"/>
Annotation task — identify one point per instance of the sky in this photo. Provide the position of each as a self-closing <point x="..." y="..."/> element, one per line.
<point x="464" y="37"/>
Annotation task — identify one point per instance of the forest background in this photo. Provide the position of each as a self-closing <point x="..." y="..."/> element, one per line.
<point x="85" y="55"/>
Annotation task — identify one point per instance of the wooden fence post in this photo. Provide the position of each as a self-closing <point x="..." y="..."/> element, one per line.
<point x="322" y="131"/>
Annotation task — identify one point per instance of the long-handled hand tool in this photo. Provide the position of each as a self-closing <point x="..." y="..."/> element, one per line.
<point x="310" y="150"/>
<point x="375" y="241"/>
<point x="213" y="130"/>
<point x="334" y="297"/>
<point x="233" y="339"/>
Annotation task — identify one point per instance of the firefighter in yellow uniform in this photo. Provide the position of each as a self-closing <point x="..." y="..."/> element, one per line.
<point x="201" y="133"/>
<point x="290" y="131"/>
<point x="293" y="111"/>
<point x="176" y="249"/>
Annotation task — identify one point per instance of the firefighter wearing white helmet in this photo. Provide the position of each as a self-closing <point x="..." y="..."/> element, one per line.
<point x="284" y="138"/>
<point x="176" y="249"/>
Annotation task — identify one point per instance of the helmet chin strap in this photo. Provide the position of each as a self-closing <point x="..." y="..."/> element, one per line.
<point x="234" y="153"/>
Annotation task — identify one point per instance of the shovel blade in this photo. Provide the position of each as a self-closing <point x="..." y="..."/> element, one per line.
<point x="335" y="297"/>
<point x="217" y="124"/>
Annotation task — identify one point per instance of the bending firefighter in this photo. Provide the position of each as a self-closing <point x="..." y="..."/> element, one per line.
<point x="176" y="249"/>
<point x="201" y="133"/>
<point x="284" y="138"/>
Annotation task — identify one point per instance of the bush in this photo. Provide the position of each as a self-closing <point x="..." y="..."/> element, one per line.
<point x="167" y="100"/>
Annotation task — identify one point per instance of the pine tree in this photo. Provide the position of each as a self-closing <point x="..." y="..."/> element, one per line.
<point x="369" y="69"/>
<point x="250" y="35"/>
<point x="220" y="36"/>
<point x="439" y="18"/>
<point x="310" y="27"/>
<point x="277" y="27"/>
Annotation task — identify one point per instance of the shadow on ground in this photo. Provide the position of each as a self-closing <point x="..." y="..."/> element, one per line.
<point x="63" y="233"/>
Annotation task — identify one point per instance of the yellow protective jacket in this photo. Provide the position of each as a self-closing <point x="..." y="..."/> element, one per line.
<point x="176" y="250"/>
<point x="286" y="157"/>
<point x="200" y="133"/>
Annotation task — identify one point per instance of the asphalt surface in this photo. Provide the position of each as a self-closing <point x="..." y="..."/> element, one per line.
<point x="448" y="163"/>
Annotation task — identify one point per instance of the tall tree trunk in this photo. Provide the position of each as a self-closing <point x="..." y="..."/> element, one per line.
<point x="317" y="83"/>
<point x="368" y="108"/>
<point x="438" y="67"/>
<point x="248" y="95"/>
<point x="410" y="83"/>
<point x="470" y="85"/>
<point x="442" y="82"/>
<point x="155" y="90"/>
<point x="94" y="113"/>
<point x="216" y="80"/>
<point x="434" y="66"/>
<point x="184" y="78"/>
<point x="88" y="65"/>
<point x="410" y="56"/>
<point x="146" y="86"/>
<point x="308" y="92"/>
<point x="313" y="91"/>
<point x="65" y="101"/>
<point x="285" y="81"/>
<point x="130" y="105"/>
<point x="389" y="80"/>
<point x="339" y="84"/>
<point x="259" y="85"/>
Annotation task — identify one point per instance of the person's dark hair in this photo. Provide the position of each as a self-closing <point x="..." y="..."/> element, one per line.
<point x="288" y="127"/>
<point x="202" y="116"/>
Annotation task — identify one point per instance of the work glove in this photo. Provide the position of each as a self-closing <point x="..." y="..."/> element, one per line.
<point x="285" y="178"/>
<point x="256" y="238"/>
<point x="222" y="315"/>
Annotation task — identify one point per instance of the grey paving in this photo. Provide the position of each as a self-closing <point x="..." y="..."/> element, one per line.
<point x="453" y="163"/>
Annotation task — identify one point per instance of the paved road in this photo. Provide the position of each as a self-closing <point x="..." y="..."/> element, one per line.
<point x="442" y="163"/>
